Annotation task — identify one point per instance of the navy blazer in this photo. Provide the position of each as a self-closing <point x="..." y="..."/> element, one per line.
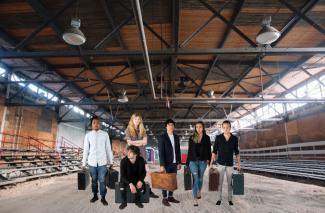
<point x="166" y="154"/>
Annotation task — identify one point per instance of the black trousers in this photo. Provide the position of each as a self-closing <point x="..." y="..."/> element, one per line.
<point x="126" y="187"/>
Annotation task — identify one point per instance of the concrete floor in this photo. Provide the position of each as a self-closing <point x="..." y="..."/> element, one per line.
<point x="262" y="194"/>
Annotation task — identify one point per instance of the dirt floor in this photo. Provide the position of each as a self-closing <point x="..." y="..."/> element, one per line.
<point x="262" y="194"/>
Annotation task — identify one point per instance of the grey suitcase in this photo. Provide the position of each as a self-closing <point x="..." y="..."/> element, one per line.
<point x="238" y="183"/>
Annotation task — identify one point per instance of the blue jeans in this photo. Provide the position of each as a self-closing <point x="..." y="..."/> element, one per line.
<point x="98" y="173"/>
<point x="172" y="168"/>
<point x="197" y="169"/>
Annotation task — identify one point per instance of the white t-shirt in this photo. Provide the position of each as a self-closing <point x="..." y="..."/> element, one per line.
<point x="172" y="140"/>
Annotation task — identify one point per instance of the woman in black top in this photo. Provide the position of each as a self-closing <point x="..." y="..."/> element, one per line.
<point x="198" y="157"/>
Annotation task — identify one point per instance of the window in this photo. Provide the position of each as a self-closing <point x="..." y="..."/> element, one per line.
<point x="314" y="89"/>
<point x="2" y="72"/>
<point x="278" y="108"/>
<point x="42" y="92"/>
<point x="49" y="95"/>
<point x="302" y="92"/>
<point x="81" y="112"/>
<point x="55" y="99"/>
<point x="76" y="109"/>
<point x="16" y="78"/>
<point x="33" y="87"/>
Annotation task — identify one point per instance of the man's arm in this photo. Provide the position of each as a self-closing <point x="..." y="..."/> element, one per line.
<point x="109" y="152"/>
<point x="236" y="147"/>
<point x="214" y="152"/>
<point x="238" y="162"/>
<point x="143" y="171"/>
<point x="85" y="151"/>
<point x="178" y="154"/>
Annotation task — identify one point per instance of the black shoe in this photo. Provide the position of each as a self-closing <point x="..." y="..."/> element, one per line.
<point x="173" y="200"/>
<point x="218" y="203"/>
<point x="165" y="202"/>
<point x="231" y="203"/>
<point x="94" y="199"/>
<point x="104" y="202"/>
<point x="153" y="195"/>
<point x="123" y="205"/>
<point x="139" y="204"/>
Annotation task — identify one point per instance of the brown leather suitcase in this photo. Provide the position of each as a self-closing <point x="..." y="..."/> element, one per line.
<point x="165" y="181"/>
<point x="213" y="179"/>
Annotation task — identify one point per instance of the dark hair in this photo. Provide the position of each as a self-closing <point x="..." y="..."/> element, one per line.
<point x="200" y="122"/>
<point x="95" y="117"/>
<point x="134" y="149"/>
<point x="226" y="122"/>
<point x="195" y="136"/>
<point x="169" y="121"/>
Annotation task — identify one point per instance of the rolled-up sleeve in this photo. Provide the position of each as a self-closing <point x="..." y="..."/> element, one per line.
<point x="109" y="150"/>
<point x="86" y="150"/>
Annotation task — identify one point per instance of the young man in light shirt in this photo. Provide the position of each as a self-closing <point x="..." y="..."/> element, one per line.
<point x="98" y="155"/>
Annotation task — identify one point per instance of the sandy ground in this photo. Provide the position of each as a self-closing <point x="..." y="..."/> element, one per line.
<point x="262" y="194"/>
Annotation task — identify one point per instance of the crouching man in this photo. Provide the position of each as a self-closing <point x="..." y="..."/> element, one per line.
<point x="133" y="172"/>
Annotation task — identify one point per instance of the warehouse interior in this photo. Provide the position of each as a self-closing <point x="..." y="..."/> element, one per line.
<point x="259" y="64"/>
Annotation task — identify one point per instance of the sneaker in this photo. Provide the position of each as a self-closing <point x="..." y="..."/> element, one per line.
<point x="165" y="202"/>
<point x="231" y="203"/>
<point x="139" y="204"/>
<point x="153" y="195"/>
<point x="123" y="205"/>
<point x="173" y="200"/>
<point x="218" y="203"/>
<point x="104" y="202"/>
<point x="94" y="199"/>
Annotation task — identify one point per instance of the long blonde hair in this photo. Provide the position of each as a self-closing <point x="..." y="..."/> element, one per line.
<point x="131" y="127"/>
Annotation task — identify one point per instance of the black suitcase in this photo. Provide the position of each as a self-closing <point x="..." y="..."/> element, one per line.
<point x="130" y="198"/>
<point x="83" y="180"/>
<point x="187" y="178"/>
<point x="111" y="178"/>
<point x="238" y="183"/>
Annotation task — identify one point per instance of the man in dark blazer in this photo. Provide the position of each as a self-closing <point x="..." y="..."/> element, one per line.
<point x="169" y="156"/>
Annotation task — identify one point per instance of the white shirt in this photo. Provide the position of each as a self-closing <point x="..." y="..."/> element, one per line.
<point x="172" y="140"/>
<point x="97" y="149"/>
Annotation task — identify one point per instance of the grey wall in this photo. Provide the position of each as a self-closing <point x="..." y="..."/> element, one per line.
<point x="74" y="132"/>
